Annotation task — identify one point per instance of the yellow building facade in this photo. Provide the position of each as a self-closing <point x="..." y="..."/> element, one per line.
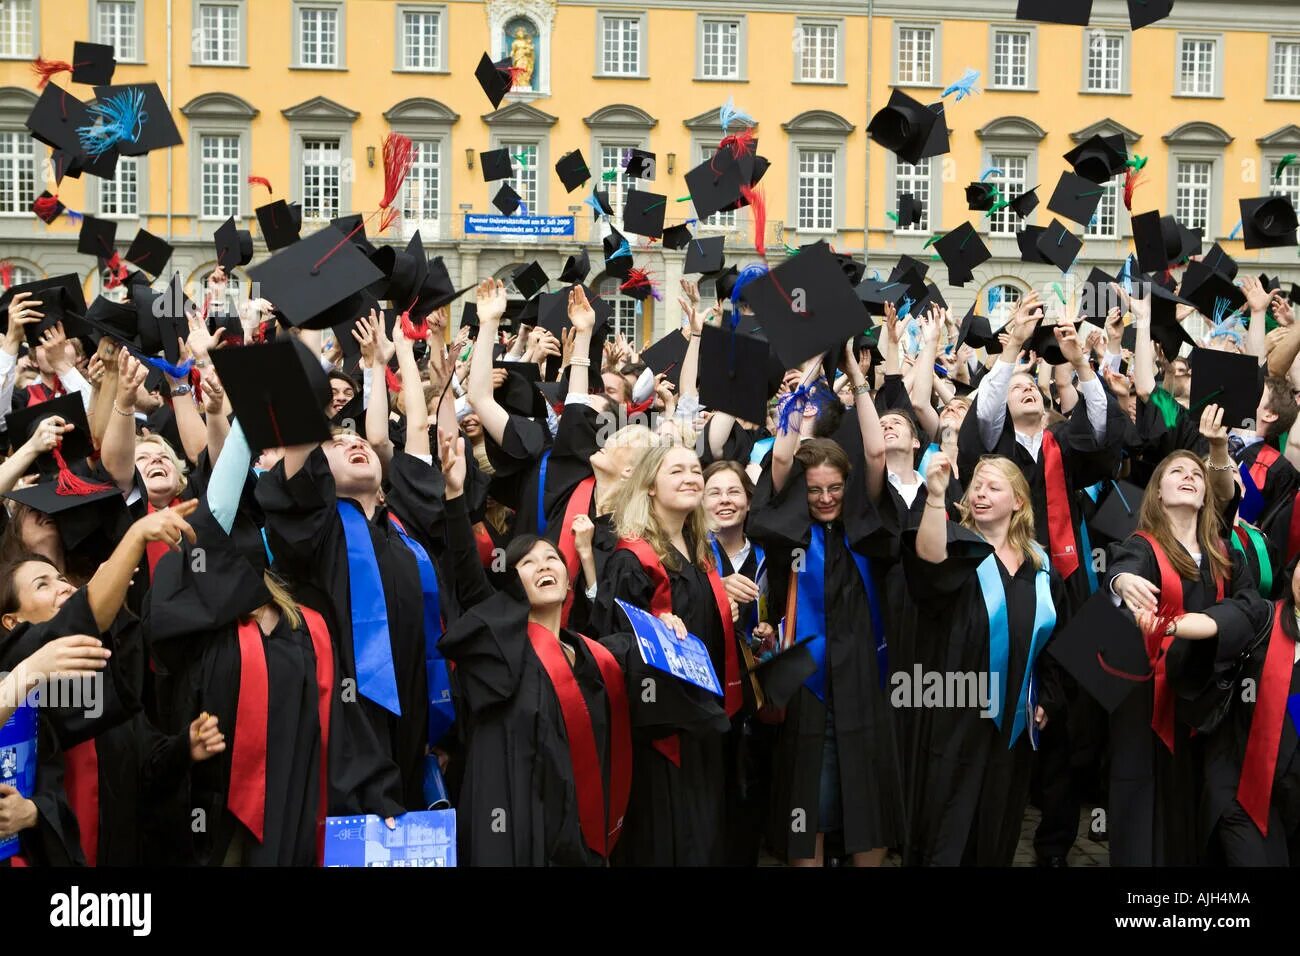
<point x="303" y="92"/>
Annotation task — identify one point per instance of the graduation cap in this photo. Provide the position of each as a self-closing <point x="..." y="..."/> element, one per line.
<point x="643" y="213"/>
<point x="724" y="282"/>
<point x="962" y="251"/>
<point x="1042" y="342"/>
<point x="161" y="318"/>
<point x="280" y="223"/>
<point x="853" y="269"/>
<point x="676" y="237"/>
<point x="907" y="264"/>
<point x="1161" y="241"/>
<point x="354" y="227"/>
<point x="909" y="129"/>
<point x="438" y="290"/>
<point x="1099" y="158"/>
<point x="92" y="63"/>
<point x="60" y="297"/>
<point x="1098" y="298"/>
<point x="977" y="332"/>
<point x="1142" y="13"/>
<point x="47" y="207"/>
<point x="1210" y="292"/>
<point x="234" y="245"/>
<point x="133" y="119"/>
<point x="75" y="162"/>
<point x="496" y="164"/>
<point x="981" y="195"/>
<point x="519" y="394"/>
<point x="666" y="356"/>
<point x="1059" y="246"/>
<point x="806" y="305"/>
<point x="76" y="445"/>
<point x="1104" y="651"/>
<point x="55" y="119"/>
<point x="782" y="674"/>
<point x="278" y="392"/>
<point x="601" y="200"/>
<point x="617" y="265"/>
<point x="737" y="381"/>
<point x="715" y="184"/>
<point x="576" y="268"/>
<point x="118" y="320"/>
<point x="1294" y="296"/>
<point x="910" y="210"/>
<point x="553" y="316"/>
<point x="1072" y="12"/>
<point x="1221" y="262"/>
<point x="97" y="237"/>
<point x="494" y="79"/>
<point x="640" y="165"/>
<point x="506" y="200"/>
<point x="1229" y="380"/>
<point x="405" y="272"/>
<point x="1025" y="203"/>
<point x="316" y="282"/>
<point x="1117" y="513"/>
<point x="1268" y="222"/>
<point x="572" y="170"/>
<point x="530" y="280"/>
<point x="149" y="253"/>
<point x="1076" y="198"/>
<point x="704" y="255"/>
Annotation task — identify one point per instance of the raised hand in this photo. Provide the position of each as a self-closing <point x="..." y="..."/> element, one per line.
<point x="491" y="300"/>
<point x="581" y="315"/>
<point x="937" y="475"/>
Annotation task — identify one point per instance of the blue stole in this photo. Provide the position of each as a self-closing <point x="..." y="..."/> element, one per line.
<point x="810" y="615"/>
<point x="1252" y="499"/>
<point x="372" y="648"/>
<point x="541" y="494"/>
<point x="1085" y="543"/>
<point x="995" y="602"/>
<point x="925" y="458"/>
<point x="761" y="557"/>
<point x="442" y="712"/>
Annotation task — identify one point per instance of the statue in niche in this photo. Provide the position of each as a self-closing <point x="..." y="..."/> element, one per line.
<point x="521" y="41"/>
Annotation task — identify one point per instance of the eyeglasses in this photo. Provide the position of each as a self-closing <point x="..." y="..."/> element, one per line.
<point x="834" y="491"/>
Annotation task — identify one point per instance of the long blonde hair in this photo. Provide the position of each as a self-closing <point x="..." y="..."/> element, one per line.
<point x="1154" y="520"/>
<point x="634" y="513"/>
<point x="1020" y="533"/>
<point x="282" y="599"/>
<point x="635" y="439"/>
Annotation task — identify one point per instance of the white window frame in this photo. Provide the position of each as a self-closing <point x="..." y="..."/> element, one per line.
<point x="1216" y="68"/>
<point x="199" y="53"/>
<point x="23" y="152"/>
<point x="620" y="184"/>
<point x="1112" y="203"/>
<point x="817" y="225"/>
<point x="1005" y="223"/>
<point x="524" y="174"/>
<point x="607" y="289"/>
<point x="804" y="24"/>
<point x="1290" y="184"/>
<point x="309" y="144"/>
<point x="340" y="35"/>
<point x="702" y="24"/>
<point x="440" y="41"/>
<point x="209" y="165"/>
<point x="1274" y="57"/>
<point x="31" y="34"/>
<point x="911" y="78"/>
<point x="1030" y="35"/>
<point x="136" y="55"/>
<point x="423" y="147"/>
<point x="1179" y="186"/>
<point x="719" y="221"/>
<point x="602" y="18"/>
<point x="907" y="181"/>
<point x="137" y="165"/>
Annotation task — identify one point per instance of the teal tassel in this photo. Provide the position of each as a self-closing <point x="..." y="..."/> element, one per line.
<point x="965" y="86"/>
<point x="121" y="119"/>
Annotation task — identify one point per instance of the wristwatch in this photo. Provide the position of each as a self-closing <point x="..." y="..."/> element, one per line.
<point x="180" y="390"/>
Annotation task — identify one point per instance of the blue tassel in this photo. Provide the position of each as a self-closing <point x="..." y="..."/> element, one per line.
<point x="73" y="215"/>
<point x="1236" y="230"/>
<point x="991" y="171"/>
<point x="594" y="202"/>
<point x="747" y="275"/>
<point x="965" y="86"/>
<point x="905" y="309"/>
<point x="121" y="120"/>
<point x="793" y="405"/>
<point x="728" y="114"/>
<point x="623" y="250"/>
<point x="162" y="365"/>
<point x="523" y="209"/>
<point x="995" y="297"/>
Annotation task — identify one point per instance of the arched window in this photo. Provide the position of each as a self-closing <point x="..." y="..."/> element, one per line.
<point x="999" y="302"/>
<point x="20" y="274"/>
<point x="626" y="320"/>
<point x="234" y="290"/>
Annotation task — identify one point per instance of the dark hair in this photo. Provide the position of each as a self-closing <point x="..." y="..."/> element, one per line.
<point x="516" y="550"/>
<point x="823" y="451"/>
<point x="9" y="600"/>
<point x="828" y="422"/>
<point x="736" y="469"/>
<point x="1282" y="403"/>
<point x="344" y="378"/>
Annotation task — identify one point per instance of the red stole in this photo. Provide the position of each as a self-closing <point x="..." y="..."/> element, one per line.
<point x="38" y="392"/>
<point x="154" y="550"/>
<point x="486" y="546"/>
<point x="1263" y="462"/>
<point x="1060" y="526"/>
<point x="599" y="832"/>
<point x="81" y="784"/>
<point x="1158" y="643"/>
<point x="1255" y="789"/>
<point x="579" y="504"/>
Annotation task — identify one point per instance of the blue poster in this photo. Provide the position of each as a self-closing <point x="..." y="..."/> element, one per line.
<point x="18" y="762"/>
<point x="422" y="838"/>
<point x="491" y="225"/>
<point x="687" y="659"/>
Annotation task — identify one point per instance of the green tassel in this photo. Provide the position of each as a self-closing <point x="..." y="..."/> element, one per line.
<point x="1287" y="160"/>
<point x="893" y="216"/>
<point x="609" y="175"/>
<point x="1136" y="162"/>
<point x="932" y="240"/>
<point x="1000" y="204"/>
<point x="1056" y="287"/>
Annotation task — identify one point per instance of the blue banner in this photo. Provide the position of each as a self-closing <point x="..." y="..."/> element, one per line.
<point x="481" y="225"/>
<point x="422" y="838"/>
<point x="18" y="762"/>
<point x="686" y="659"/>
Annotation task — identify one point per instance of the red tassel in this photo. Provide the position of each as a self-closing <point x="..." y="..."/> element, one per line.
<point x="398" y="156"/>
<point x="69" y="484"/>
<point x="1132" y="180"/>
<point x="119" y="273"/>
<point x="738" y="143"/>
<point x="758" y="203"/>
<point x="47" y="69"/>
<point x="6" y="275"/>
<point x="639" y="279"/>
<point x="412" y="331"/>
<point x="394" y="383"/>
<point x="514" y="74"/>
<point x="261" y="181"/>
<point x="46" y="208"/>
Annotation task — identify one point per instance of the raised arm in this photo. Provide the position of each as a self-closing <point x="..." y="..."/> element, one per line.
<point x="417" y="413"/>
<point x="873" y="438"/>
<point x="991" y="397"/>
<point x="118" y="452"/>
<point x="688" y="381"/>
<point x="921" y="391"/>
<point x="45" y="437"/>
<point x="583" y="319"/>
<point x="491" y="296"/>
<point x="1219" y="464"/>
<point x="932" y="535"/>
<point x="1257" y="300"/>
<point x="107" y="589"/>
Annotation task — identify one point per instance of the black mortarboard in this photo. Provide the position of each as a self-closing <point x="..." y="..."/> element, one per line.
<point x="279" y="225"/>
<point x="910" y="210"/>
<point x="553" y="316"/>
<point x="278" y="393"/>
<point x="1059" y="246"/>
<point x="437" y="290"/>
<point x="676" y="237"/>
<point x="1156" y="244"/>
<point x="904" y="127"/>
<point x="51" y="214"/>
<point x="931" y="296"/>
<point x="97" y="237"/>
<point x="494" y="80"/>
<point x="1207" y="289"/>
<point x="737" y="380"/>
<point x="962" y="251"/>
<point x="1103" y="650"/>
<point x="853" y="269"/>
<point x="1268" y="222"/>
<point x="76" y="444"/>
<point x="806" y="306"/>
<point x="149" y="253"/>
<point x="1271" y="284"/>
<point x="117" y="319"/>
<point x="1117" y="513"/>
<point x="1072" y="12"/>
<point x="1221" y="262"/>
<point x="980" y="196"/>
<point x="234" y="245"/>
<point x="576" y="268"/>
<point x="1294" y="297"/>
<point x="572" y="170"/>
<point x="724" y="282"/>
<point x="1096" y="297"/>
<point x="1027" y="239"/>
<point x="92" y="63"/>
<point x="1042" y="342"/>
<point x="620" y="265"/>
<point x="519" y="394"/>
<point x="77" y="517"/>
<point x="1143" y="13"/>
<point x="784" y="673"/>
<point x="640" y="165"/>
<point x="60" y="297"/>
<point x="530" y="280"/>
<point x="602" y="199"/>
<point x="977" y="332"/>
<point x="55" y="119"/>
<point x="665" y="357"/>
<point x="506" y="200"/>
<point x="1166" y="330"/>
<point x="1025" y="203"/>
<point x="315" y="283"/>
<point x="162" y="318"/>
<point x="907" y="264"/>
<point x="1099" y="158"/>
<point x="1076" y="198"/>
<point x="74" y="162"/>
<point x="156" y="129"/>
<point x="643" y="213"/>
<point x="715" y="184"/>
<point x="704" y="255"/>
<point x="496" y="164"/>
<point x="1229" y="380"/>
<point x="354" y="227"/>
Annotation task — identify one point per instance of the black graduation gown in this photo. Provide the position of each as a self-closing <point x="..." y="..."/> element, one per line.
<point x="1150" y="440"/>
<point x="516" y="464"/>
<point x="968" y="789"/>
<point x="676" y="814"/>
<point x="738" y="446"/>
<point x="871" y="782"/>
<point x="193" y="618"/>
<point x="1281" y="480"/>
<point x="306" y="537"/>
<point x="1154" y="795"/>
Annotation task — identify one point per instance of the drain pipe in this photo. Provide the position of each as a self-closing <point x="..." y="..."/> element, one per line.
<point x="866" y="200"/>
<point x="169" y="103"/>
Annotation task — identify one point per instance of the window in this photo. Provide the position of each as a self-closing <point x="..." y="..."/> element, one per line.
<point x="218" y="33"/>
<point x="1011" y="182"/>
<point x="612" y="159"/>
<point x="1105" y="221"/>
<point x="1196" y="67"/>
<point x="916" y="56"/>
<point x="524" y="158"/>
<point x="719" y="220"/>
<point x="1105" y="73"/>
<point x="120" y="196"/>
<point x="819" y="52"/>
<point x="318" y="36"/>
<point x="420" y="39"/>
<point x="914" y="180"/>
<point x="1001" y="303"/>
<point x="1011" y="59"/>
<point x="117" y="27"/>
<point x="1192" y="193"/>
<point x="17" y="172"/>
<point x="624" y="320"/>
<point x="16" y="28"/>
<point x="21" y="275"/>
<point x="1288" y="184"/>
<point x="234" y="291"/>
<point x="621" y="43"/>
<point x="720" y="49"/>
<point x="219" y="156"/>
<point x="816" y="190"/>
<point x="320" y="178"/>
<point x="420" y="194"/>
<point x="1286" y="68"/>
